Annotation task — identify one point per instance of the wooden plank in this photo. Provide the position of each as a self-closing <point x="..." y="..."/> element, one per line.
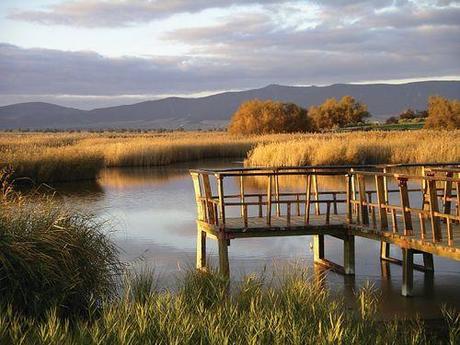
<point x="350" y="197"/>
<point x="242" y="194"/>
<point x="307" y="199"/>
<point x="211" y="217"/>
<point x="349" y="255"/>
<point x="201" y="249"/>
<point x="269" y="200"/>
<point x="224" y="265"/>
<point x="381" y="200"/>
<point x="362" y="200"/>
<point x="277" y="195"/>
<point x="404" y="197"/>
<point x="408" y="272"/>
<point x="433" y="204"/>
<point x="316" y="192"/>
<point x="220" y="191"/>
<point x="198" y="195"/>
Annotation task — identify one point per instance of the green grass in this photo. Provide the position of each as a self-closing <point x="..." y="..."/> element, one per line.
<point x="296" y="309"/>
<point x="52" y="256"/>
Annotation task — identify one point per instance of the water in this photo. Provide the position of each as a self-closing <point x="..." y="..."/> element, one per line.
<point x="152" y="213"/>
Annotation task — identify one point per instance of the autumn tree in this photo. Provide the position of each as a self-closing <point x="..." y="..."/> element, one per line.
<point x="333" y="113"/>
<point x="443" y="113"/>
<point x="260" y="117"/>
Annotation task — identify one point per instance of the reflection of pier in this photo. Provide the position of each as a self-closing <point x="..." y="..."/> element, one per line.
<point x="374" y="202"/>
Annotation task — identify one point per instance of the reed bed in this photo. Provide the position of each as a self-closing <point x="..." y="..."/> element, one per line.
<point x="77" y="156"/>
<point x="359" y="148"/>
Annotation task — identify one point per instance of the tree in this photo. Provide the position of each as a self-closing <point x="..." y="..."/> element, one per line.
<point x="407" y="114"/>
<point x="333" y="113"/>
<point x="260" y="117"/>
<point x="443" y="113"/>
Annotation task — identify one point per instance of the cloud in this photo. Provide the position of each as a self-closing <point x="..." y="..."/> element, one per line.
<point x="118" y="13"/>
<point x="319" y="43"/>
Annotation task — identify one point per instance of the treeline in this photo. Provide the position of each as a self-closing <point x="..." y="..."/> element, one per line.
<point x="268" y="116"/>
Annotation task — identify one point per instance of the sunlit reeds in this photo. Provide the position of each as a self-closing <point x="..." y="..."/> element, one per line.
<point x="359" y="148"/>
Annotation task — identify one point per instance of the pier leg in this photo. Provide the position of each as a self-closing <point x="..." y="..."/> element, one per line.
<point x="224" y="265"/>
<point x="408" y="272"/>
<point x="349" y="255"/>
<point x="201" y="249"/>
<point x="384" y="250"/>
<point x="428" y="262"/>
<point x="318" y="248"/>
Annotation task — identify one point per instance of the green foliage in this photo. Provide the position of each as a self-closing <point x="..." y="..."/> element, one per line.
<point x="52" y="257"/>
<point x="296" y="309"/>
<point x="261" y="117"/>
<point x="337" y="114"/>
<point x="443" y="113"/>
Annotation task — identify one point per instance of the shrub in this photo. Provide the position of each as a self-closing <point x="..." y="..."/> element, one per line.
<point x="443" y="113"/>
<point x="259" y="117"/>
<point x="52" y="257"/>
<point x="333" y="113"/>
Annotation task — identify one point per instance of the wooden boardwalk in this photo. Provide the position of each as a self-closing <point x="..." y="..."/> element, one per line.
<point x="373" y="203"/>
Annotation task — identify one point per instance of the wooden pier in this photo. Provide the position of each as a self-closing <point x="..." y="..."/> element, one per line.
<point x="416" y="212"/>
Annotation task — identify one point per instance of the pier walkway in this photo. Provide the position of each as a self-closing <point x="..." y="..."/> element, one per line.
<point x="414" y="207"/>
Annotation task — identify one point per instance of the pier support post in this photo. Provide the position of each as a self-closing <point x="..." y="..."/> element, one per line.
<point x="384" y="250"/>
<point x="428" y="262"/>
<point x="201" y="249"/>
<point x="349" y="255"/>
<point x="224" y="265"/>
<point x="408" y="272"/>
<point x="318" y="248"/>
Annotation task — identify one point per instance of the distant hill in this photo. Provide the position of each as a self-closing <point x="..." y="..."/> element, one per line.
<point x="383" y="100"/>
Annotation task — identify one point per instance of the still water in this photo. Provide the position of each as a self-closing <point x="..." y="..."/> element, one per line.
<point x="152" y="214"/>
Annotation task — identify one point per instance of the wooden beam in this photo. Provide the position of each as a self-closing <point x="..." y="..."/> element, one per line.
<point x="362" y="200"/>
<point x="404" y="195"/>
<point x="224" y="265"/>
<point x="381" y="200"/>
<point x="408" y="272"/>
<point x="318" y="247"/>
<point x="349" y="255"/>
<point x="201" y="249"/>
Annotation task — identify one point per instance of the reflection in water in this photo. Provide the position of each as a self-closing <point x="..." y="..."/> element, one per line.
<point x="154" y="215"/>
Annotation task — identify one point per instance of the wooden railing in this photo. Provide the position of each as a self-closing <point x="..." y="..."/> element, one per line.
<point x="371" y="197"/>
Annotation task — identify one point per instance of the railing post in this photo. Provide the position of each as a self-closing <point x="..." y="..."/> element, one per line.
<point x="404" y="195"/>
<point x="220" y="191"/>
<point x="316" y="192"/>
<point x="349" y="197"/>
<point x="433" y="204"/>
<point x="362" y="200"/>
<point x="385" y="185"/>
<point x="242" y="193"/>
<point x="307" y="200"/>
<point x="381" y="200"/>
<point x="277" y="194"/>
<point x="448" y="193"/>
<point x="269" y="200"/>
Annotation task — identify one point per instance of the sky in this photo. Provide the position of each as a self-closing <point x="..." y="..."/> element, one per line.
<point x="94" y="53"/>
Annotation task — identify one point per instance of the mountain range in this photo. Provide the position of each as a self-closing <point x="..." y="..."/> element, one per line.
<point x="383" y="101"/>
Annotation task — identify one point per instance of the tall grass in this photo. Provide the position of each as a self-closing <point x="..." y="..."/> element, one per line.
<point x="359" y="148"/>
<point x="74" y="156"/>
<point x="296" y="310"/>
<point x="51" y="256"/>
